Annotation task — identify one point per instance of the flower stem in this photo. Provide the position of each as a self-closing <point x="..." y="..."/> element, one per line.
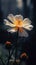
<point x="8" y="58"/>
<point x="2" y="61"/>
<point x="16" y="48"/>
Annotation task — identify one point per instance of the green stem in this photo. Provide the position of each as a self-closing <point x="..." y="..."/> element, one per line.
<point x="16" y="48"/>
<point x="2" y="61"/>
<point x="8" y="58"/>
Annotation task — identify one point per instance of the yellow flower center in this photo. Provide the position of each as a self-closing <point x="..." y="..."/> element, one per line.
<point x="19" y="25"/>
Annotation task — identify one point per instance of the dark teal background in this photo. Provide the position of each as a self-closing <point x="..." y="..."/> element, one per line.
<point x="27" y="45"/>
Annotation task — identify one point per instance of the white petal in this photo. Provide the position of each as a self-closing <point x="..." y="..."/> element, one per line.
<point x="19" y="17"/>
<point x="11" y="17"/>
<point x="6" y="22"/>
<point x="26" y="21"/>
<point x="11" y="30"/>
<point x="29" y="27"/>
<point x="23" y="34"/>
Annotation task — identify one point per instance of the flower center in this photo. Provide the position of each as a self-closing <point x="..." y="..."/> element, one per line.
<point x="19" y="25"/>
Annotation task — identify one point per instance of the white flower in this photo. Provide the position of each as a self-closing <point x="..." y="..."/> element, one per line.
<point x="18" y="24"/>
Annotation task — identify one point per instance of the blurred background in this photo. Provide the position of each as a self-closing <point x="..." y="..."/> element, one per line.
<point x="27" y="8"/>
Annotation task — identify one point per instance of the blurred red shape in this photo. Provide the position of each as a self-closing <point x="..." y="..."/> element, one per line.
<point x="24" y="55"/>
<point x="8" y="43"/>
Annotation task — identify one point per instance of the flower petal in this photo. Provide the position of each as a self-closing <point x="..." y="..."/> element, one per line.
<point x="26" y="21"/>
<point x="23" y="34"/>
<point x="6" y="22"/>
<point x="11" y="30"/>
<point x="19" y="17"/>
<point x="11" y="17"/>
<point x="29" y="27"/>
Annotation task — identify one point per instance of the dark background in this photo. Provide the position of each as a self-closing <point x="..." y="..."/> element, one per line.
<point x="29" y="44"/>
